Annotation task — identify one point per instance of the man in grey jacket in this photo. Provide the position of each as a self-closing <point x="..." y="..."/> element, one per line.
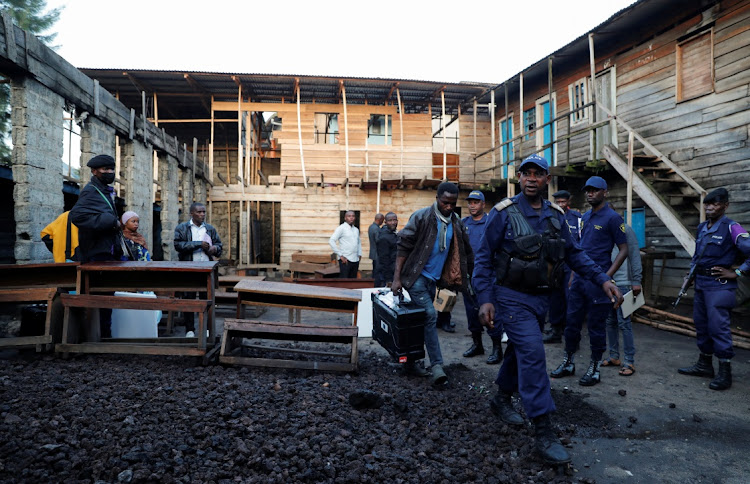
<point x="627" y="277"/>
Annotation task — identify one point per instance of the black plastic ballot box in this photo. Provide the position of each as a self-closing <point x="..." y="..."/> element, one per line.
<point x="399" y="330"/>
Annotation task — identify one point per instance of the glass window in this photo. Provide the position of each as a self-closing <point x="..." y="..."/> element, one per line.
<point x="529" y="122"/>
<point x="380" y="129"/>
<point x="578" y="94"/>
<point x="326" y="128"/>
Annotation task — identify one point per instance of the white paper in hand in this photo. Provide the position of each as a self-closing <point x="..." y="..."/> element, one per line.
<point x="631" y="303"/>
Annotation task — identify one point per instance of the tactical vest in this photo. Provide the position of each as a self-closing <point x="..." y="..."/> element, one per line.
<point x="534" y="262"/>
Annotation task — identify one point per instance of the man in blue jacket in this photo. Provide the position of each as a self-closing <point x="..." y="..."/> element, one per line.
<point x="720" y="240"/>
<point x="518" y="263"/>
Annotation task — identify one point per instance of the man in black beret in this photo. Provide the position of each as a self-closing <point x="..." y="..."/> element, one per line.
<point x="98" y="223"/>
<point x="559" y="298"/>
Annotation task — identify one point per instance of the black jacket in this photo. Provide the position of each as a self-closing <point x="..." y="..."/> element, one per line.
<point x="183" y="240"/>
<point x="97" y="222"/>
<point x="416" y="240"/>
<point x="386" y="250"/>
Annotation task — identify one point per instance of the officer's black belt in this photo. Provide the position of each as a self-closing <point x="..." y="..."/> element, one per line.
<point x="706" y="271"/>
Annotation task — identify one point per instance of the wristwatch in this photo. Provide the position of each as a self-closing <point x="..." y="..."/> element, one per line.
<point x="739" y="273"/>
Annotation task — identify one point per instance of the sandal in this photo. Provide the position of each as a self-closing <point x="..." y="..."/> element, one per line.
<point x="610" y="362"/>
<point x="627" y="370"/>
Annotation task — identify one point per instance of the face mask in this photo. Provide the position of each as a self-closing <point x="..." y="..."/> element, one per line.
<point x="107" y="178"/>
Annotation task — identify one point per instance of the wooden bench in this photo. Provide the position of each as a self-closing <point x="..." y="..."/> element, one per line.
<point x="72" y="321"/>
<point x="243" y="328"/>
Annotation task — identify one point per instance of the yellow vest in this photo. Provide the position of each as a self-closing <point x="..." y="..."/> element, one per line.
<point x="63" y="247"/>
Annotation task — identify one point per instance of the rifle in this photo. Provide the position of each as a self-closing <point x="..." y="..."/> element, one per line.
<point x="689" y="279"/>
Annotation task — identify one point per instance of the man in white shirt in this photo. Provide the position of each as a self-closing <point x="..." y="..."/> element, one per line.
<point x="196" y="240"/>
<point x="347" y="246"/>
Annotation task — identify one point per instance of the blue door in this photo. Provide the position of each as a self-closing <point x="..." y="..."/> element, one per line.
<point x="549" y="132"/>
<point x="639" y="225"/>
<point x="506" y="133"/>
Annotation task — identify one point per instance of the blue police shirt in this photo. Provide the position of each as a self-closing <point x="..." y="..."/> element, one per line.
<point x="434" y="267"/>
<point x="600" y="232"/>
<point x="498" y="235"/>
<point x="475" y="229"/>
<point x="719" y="245"/>
<point x="573" y="218"/>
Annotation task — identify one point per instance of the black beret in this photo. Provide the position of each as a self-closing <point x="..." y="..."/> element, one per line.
<point x="718" y="195"/>
<point x="561" y="194"/>
<point x="101" y="161"/>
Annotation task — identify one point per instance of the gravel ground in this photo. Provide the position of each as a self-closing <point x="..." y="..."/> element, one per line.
<point x="164" y="419"/>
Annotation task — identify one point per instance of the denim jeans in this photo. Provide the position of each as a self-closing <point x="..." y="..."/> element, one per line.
<point x="615" y="321"/>
<point x="422" y="293"/>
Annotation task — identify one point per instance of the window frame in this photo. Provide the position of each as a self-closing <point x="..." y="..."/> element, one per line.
<point x="581" y="116"/>
<point x="678" y="65"/>
<point x="387" y="137"/>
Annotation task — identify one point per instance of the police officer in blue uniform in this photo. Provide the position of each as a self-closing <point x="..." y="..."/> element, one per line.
<point x="559" y="298"/>
<point x="518" y="263"/>
<point x="719" y="241"/>
<point x="475" y="223"/>
<point x="601" y="229"/>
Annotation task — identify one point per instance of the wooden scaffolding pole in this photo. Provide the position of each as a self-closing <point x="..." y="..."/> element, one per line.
<point x="474" y="179"/>
<point x="380" y="171"/>
<point x="492" y="131"/>
<point x="299" y="135"/>
<point x="521" y="122"/>
<point x="445" y="139"/>
<point x="346" y="139"/>
<point x="629" y="199"/>
<point x="211" y="145"/>
<point x="592" y="90"/>
<point x="401" y="128"/>
<point x="240" y="166"/>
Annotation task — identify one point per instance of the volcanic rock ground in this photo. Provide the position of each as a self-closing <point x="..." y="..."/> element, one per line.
<point x="114" y="418"/>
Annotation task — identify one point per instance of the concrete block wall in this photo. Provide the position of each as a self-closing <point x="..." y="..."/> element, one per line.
<point x="97" y="138"/>
<point x="169" y="177"/>
<point x="187" y="194"/>
<point x="137" y="168"/>
<point x="37" y="135"/>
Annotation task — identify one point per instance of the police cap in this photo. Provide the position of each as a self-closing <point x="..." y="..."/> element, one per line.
<point x="561" y="194"/>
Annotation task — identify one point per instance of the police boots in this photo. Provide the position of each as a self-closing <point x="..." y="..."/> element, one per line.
<point x="547" y="443"/>
<point x="476" y="347"/>
<point x="502" y="407"/>
<point x="591" y="377"/>
<point x="497" y="352"/>
<point x="703" y="367"/>
<point x="566" y="368"/>
<point x="553" y="335"/>
<point x="724" y="379"/>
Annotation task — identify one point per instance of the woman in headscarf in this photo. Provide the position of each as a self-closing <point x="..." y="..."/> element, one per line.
<point x="135" y="242"/>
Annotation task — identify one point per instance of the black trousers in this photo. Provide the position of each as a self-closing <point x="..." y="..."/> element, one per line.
<point x="348" y="270"/>
<point x="189" y="318"/>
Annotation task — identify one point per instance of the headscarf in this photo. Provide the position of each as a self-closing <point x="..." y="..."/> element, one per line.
<point x="132" y="236"/>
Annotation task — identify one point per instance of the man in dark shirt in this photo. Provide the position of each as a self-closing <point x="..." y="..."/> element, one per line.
<point x="372" y="234"/>
<point x="601" y="229"/>
<point x="386" y="245"/>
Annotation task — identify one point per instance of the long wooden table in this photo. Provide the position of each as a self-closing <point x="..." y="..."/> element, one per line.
<point x="97" y="278"/>
<point x="37" y="283"/>
<point x="295" y="297"/>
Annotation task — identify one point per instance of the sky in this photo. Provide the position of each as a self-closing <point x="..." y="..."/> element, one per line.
<point x="461" y="40"/>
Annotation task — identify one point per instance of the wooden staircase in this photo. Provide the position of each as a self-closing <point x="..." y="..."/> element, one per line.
<point x="662" y="190"/>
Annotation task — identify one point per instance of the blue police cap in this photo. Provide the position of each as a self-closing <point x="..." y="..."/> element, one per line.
<point x="595" y="182"/>
<point x="476" y="195"/>
<point x="537" y="160"/>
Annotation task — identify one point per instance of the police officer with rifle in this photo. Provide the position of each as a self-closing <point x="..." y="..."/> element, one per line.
<point x="720" y="240"/>
<point x="519" y="262"/>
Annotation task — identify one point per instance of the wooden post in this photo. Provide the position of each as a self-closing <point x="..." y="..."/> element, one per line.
<point x="240" y="167"/>
<point x="521" y="121"/>
<point x="273" y="232"/>
<point x="492" y="131"/>
<point x="474" y="180"/>
<point x="299" y="134"/>
<point x="346" y="138"/>
<point x="211" y="145"/>
<point x="401" y="128"/>
<point x="229" y="230"/>
<point x="552" y="112"/>
<point x="629" y="200"/>
<point x="380" y="170"/>
<point x="592" y="90"/>
<point x="445" y="141"/>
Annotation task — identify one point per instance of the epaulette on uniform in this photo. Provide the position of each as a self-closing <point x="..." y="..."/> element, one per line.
<point x="557" y="207"/>
<point x="503" y="204"/>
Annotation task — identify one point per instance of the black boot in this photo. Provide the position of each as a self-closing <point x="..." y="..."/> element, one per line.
<point x="502" y="406"/>
<point x="723" y="380"/>
<point x="547" y="443"/>
<point x="591" y="377"/>
<point x="554" y="335"/>
<point x="497" y="352"/>
<point x="476" y="347"/>
<point x="703" y="367"/>
<point x="566" y="368"/>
